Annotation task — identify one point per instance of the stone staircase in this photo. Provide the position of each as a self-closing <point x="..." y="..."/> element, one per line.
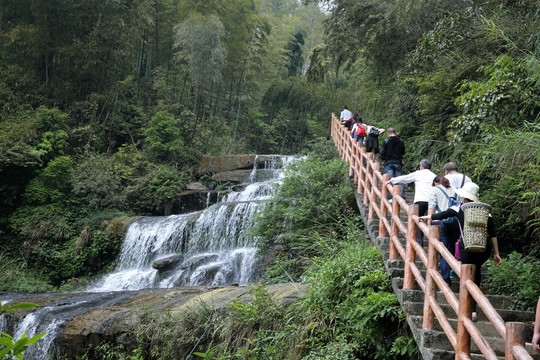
<point x="434" y="344"/>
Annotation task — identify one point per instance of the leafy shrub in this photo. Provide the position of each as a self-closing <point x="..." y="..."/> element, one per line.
<point x="107" y="351"/>
<point x="152" y="193"/>
<point x="96" y="181"/>
<point x="518" y="276"/>
<point x="311" y="202"/>
<point x="163" y="140"/>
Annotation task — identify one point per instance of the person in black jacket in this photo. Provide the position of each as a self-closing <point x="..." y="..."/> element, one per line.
<point x="392" y="151"/>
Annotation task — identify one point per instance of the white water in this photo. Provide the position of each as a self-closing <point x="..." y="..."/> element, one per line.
<point x="214" y="243"/>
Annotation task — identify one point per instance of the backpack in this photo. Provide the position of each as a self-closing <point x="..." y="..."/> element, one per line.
<point x="361" y="132"/>
<point x="374" y="131"/>
<point x="452" y="201"/>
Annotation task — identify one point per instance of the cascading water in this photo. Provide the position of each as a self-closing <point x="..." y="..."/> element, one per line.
<point x="210" y="247"/>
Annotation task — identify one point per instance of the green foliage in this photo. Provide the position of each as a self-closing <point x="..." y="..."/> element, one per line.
<point x="508" y="164"/>
<point x="99" y="180"/>
<point x="152" y="193"/>
<point x="53" y="183"/>
<point x="14" y="348"/>
<point x="518" y="276"/>
<point x="506" y="99"/>
<point x="164" y="336"/>
<point x="17" y="278"/>
<point x="107" y="351"/>
<point x="312" y="198"/>
<point x="164" y="138"/>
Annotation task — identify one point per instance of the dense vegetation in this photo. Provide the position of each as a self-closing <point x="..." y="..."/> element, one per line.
<point x="349" y="312"/>
<point x="459" y="80"/>
<point x="106" y="107"/>
<point x="107" y="117"/>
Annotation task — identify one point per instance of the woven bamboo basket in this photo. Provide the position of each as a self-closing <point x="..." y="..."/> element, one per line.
<point x="475" y="233"/>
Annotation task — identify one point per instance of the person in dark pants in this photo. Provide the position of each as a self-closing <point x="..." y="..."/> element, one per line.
<point x="423" y="179"/>
<point x="469" y="193"/>
<point x="442" y="197"/>
<point x="392" y="151"/>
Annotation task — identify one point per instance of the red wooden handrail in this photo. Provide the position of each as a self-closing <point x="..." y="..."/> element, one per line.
<point x="366" y="174"/>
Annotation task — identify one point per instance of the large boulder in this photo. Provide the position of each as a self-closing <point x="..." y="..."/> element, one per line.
<point x="167" y="263"/>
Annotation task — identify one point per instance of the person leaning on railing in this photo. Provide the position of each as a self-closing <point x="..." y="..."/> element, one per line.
<point x="469" y="193"/>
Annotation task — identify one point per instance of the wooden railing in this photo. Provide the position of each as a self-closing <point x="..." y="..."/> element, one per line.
<point x="369" y="179"/>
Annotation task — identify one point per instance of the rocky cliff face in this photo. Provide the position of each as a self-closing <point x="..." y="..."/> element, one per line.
<point x="221" y="173"/>
<point x="92" y="318"/>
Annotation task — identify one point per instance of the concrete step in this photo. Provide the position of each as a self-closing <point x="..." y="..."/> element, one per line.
<point x="498" y="301"/>
<point x="417" y="308"/>
<point x="437" y="354"/>
<point x="438" y="340"/>
<point x="485" y="327"/>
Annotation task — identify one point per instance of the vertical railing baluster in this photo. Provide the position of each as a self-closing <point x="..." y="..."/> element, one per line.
<point x="393" y="253"/>
<point x="367" y="179"/>
<point x="412" y="230"/>
<point x="515" y="335"/>
<point x="384" y="196"/>
<point x="433" y="259"/>
<point x="374" y="184"/>
<point x="464" y="311"/>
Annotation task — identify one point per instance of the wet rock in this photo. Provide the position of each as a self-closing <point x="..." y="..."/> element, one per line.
<point x="94" y="318"/>
<point x="197" y="186"/>
<point x="235" y="176"/>
<point x="118" y="226"/>
<point x="215" y="164"/>
<point x="196" y="261"/>
<point x="167" y="263"/>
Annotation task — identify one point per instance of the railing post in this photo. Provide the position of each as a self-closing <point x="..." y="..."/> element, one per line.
<point x="374" y="184"/>
<point x="433" y="259"/>
<point x="515" y="335"/>
<point x="358" y="160"/>
<point x="367" y="179"/>
<point x="361" y="175"/>
<point x="357" y="157"/>
<point x="351" y="153"/>
<point x="384" y="195"/>
<point x="464" y="311"/>
<point x="410" y="254"/>
<point x="393" y="254"/>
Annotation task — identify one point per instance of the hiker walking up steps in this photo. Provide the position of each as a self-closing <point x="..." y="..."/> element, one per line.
<point x="469" y="194"/>
<point x="372" y="140"/>
<point x="442" y="198"/>
<point x="423" y="180"/>
<point x="346" y="117"/>
<point x="392" y="151"/>
<point x="456" y="179"/>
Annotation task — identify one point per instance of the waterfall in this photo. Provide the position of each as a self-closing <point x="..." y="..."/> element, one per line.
<point x="209" y="247"/>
